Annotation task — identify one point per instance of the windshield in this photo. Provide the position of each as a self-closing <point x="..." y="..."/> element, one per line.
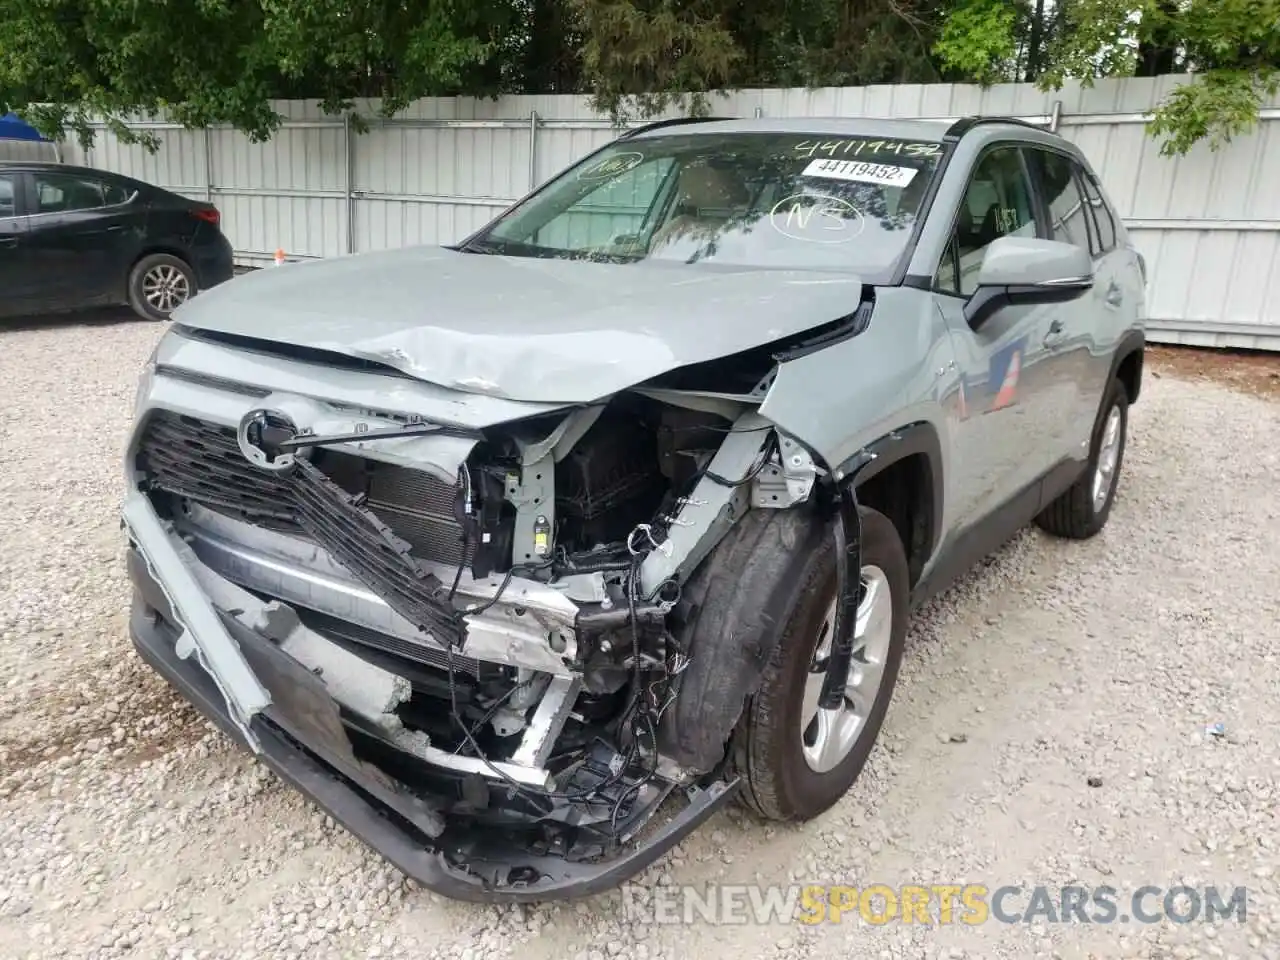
<point x="744" y="199"/>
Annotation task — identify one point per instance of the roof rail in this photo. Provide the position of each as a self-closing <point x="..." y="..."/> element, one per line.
<point x="672" y="122"/>
<point x="965" y="124"/>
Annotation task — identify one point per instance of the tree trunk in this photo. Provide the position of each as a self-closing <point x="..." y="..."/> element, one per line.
<point x="1035" y="55"/>
<point x="1158" y="52"/>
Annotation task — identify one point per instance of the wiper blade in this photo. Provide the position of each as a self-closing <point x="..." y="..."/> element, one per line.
<point x="477" y="246"/>
<point x="415" y="429"/>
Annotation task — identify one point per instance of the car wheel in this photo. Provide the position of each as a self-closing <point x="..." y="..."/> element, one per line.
<point x="795" y="759"/>
<point x="1082" y="510"/>
<point x="158" y="284"/>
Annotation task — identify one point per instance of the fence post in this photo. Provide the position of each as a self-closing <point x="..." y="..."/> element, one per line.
<point x="533" y="149"/>
<point x="348" y="145"/>
<point x="208" y="166"/>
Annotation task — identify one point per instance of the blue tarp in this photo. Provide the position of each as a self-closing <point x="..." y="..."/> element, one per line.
<point x="12" y="128"/>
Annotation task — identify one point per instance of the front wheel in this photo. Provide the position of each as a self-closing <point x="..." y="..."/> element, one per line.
<point x="158" y="284"/>
<point x="795" y="759"/>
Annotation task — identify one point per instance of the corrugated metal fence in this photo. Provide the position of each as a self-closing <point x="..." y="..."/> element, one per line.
<point x="1208" y="223"/>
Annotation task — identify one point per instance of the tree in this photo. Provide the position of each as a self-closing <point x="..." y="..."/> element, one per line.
<point x="1230" y="48"/>
<point x="642" y="56"/>
<point x="222" y="61"/>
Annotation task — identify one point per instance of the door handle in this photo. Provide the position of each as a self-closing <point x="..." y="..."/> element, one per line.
<point x="1054" y="334"/>
<point x="8" y="241"/>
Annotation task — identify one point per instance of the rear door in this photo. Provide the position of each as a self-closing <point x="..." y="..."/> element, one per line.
<point x="1082" y="344"/>
<point x="83" y="231"/>
<point x="14" y="276"/>
<point x="1120" y="283"/>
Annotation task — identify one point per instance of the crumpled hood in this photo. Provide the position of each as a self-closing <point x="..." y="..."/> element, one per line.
<point x="524" y="329"/>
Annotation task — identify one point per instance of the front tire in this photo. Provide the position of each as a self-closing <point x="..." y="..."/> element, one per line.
<point x="158" y="284"/>
<point x="795" y="760"/>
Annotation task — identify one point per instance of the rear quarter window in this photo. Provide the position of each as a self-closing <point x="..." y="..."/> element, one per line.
<point x="1103" y="216"/>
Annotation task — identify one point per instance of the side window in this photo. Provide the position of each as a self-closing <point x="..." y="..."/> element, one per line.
<point x="7" y="206"/>
<point x="114" y="194"/>
<point x="1068" y="220"/>
<point x="1102" y="215"/>
<point x="997" y="203"/>
<point x="60" y="193"/>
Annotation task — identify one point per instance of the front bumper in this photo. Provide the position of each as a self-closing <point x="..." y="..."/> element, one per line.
<point x="299" y="734"/>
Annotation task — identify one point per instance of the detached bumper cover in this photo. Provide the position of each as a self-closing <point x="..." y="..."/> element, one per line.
<point x="299" y="735"/>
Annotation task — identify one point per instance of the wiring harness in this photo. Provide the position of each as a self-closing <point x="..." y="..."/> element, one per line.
<point x="650" y="688"/>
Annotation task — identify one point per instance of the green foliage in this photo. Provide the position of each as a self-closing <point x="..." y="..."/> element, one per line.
<point x="222" y="61"/>
<point x="1216" y="107"/>
<point x="644" y="58"/>
<point x="1231" y="48"/>
<point x="978" y="40"/>
<point x="201" y="62"/>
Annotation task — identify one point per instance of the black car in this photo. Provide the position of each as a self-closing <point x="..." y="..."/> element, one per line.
<point x="73" y="237"/>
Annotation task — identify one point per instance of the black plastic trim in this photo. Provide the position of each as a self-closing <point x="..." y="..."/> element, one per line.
<point x="279" y="349"/>
<point x="899" y="272"/>
<point x="837" y="331"/>
<point x="1134" y="341"/>
<point x="848" y="535"/>
<point x="920" y="437"/>
<point x="965" y="124"/>
<point x="673" y="122"/>
<point x="987" y="301"/>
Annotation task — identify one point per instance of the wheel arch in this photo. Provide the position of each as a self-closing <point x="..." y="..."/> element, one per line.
<point x="1127" y="363"/>
<point x="154" y="247"/>
<point x="900" y="474"/>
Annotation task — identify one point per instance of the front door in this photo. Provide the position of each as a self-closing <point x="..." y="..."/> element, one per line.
<point x="78" y="239"/>
<point x="14" y="272"/>
<point x="1006" y="414"/>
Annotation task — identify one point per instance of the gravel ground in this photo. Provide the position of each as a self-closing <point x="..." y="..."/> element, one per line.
<point x="129" y="828"/>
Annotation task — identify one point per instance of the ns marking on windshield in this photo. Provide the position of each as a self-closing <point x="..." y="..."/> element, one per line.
<point x="816" y="219"/>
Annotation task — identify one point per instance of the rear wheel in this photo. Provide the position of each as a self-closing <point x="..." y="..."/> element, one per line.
<point x="796" y="760"/>
<point x="1082" y="510"/>
<point x="158" y="284"/>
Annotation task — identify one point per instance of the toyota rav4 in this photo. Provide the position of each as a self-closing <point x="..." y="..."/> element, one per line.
<point x="522" y="556"/>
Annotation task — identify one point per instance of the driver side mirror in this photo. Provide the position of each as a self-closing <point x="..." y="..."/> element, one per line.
<point x="1026" y="270"/>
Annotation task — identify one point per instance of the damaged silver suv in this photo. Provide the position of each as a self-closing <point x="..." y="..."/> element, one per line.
<point x="521" y="557"/>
